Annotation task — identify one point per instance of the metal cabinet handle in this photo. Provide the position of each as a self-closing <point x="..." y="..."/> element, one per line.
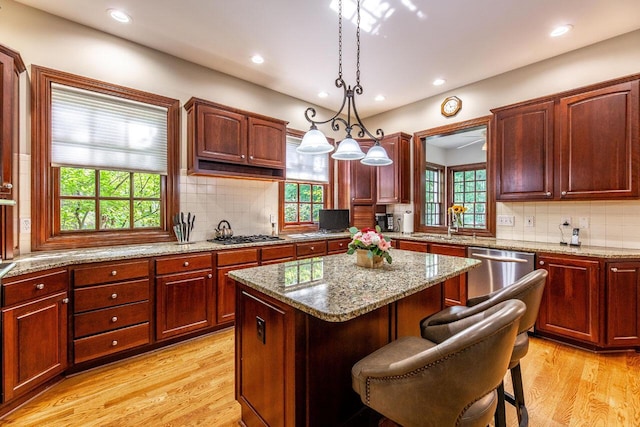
<point x="7" y="185"/>
<point x="65" y="300"/>
<point x="209" y="276"/>
<point x="564" y="193"/>
<point x="114" y="343"/>
<point x="617" y="270"/>
<point x="114" y="272"/>
<point x="548" y="194"/>
<point x="114" y="296"/>
<point x="114" y="319"/>
<point x="242" y="156"/>
<point x="251" y="157"/>
<point x="313" y="248"/>
<point x="186" y="264"/>
<point x="40" y="286"/>
<point x="541" y="262"/>
<point x="341" y="244"/>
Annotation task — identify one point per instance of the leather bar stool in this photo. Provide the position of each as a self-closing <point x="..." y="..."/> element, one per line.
<point x="415" y="382"/>
<point x="528" y="289"/>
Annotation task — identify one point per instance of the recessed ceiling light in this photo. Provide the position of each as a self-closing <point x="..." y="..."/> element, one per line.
<point x="257" y="59"/>
<point x="322" y="94"/>
<point x="438" y="82"/>
<point x="379" y="98"/>
<point x="119" y="16"/>
<point x="561" y="30"/>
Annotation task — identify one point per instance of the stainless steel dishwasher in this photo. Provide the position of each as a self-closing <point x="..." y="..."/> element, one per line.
<point x="499" y="269"/>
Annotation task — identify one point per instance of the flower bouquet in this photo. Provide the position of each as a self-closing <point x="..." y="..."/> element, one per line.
<point x="370" y="245"/>
<point x="456" y="212"/>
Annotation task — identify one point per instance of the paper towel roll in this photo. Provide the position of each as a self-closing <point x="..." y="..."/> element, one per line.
<point x="407" y="223"/>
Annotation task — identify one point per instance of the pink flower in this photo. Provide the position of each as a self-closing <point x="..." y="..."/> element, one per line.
<point x="384" y="245"/>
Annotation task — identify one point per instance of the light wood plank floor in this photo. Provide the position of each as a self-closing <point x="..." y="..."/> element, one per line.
<point x="191" y="384"/>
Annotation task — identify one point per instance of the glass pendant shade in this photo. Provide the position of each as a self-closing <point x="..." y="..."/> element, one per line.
<point x="376" y="156"/>
<point x="348" y="149"/>
<point x="314" y="142"/>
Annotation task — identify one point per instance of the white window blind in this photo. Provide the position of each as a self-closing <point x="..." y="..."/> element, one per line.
<point x="99" y="131"/>
<point x="303" y="167"/>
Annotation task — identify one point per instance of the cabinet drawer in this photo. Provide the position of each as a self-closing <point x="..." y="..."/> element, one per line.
<point x="114" y="272"/>
<point x="110" y="342"/>
<point x="178" y="264"/>
<point x="311" y="248"/>
<point x="281" y="252"/>
<point x="240" y="256"/>
<point x="338" y="246"/>
<point x="412" y="246"/>
<point x="95" y="297"/>
<point x="34" y="287"/>
<point x="107" y="319"/>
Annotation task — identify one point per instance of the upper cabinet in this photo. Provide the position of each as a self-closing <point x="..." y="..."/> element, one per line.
<point x="11" y="66"/>
<point x="225" y="141"/>
<point x="578" y="145"/>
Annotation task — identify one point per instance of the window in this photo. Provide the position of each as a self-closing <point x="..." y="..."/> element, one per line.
<point x="105" y="163"/>
<point x="452" y="163"/>
<point x="306" y="189"/>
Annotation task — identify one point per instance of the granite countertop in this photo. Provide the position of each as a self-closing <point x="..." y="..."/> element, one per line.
<point x="333" y="288"/>
<point x="39" y="261"/>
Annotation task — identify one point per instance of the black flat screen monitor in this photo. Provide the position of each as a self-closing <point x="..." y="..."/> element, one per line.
<point x="333" y="220"/>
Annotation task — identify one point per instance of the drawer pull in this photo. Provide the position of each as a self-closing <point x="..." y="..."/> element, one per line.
<point x="209" y="276"/>
<point x="618" y="270"/>
<point x="65" y="300"/>
<point x="312" y="248"/>
<point x="40" y="286"/>
<point x="341" y="244"/>
<point x="114" y="296"/>
<point x="548" y="194"/>
<point x="114" y="319"/>
<point x="186" y="264"/>
<point x="114" y="343"/>
<point x="114" y="272"/>
<point x="541" y="262"/>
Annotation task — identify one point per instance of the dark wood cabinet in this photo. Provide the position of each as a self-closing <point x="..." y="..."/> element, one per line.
<point x="599" y="154"/>
<point x="311" y="249"/>
<point x="570" y="306"/>
<point x="112" y="309"/>
<point x="277" y="254"/>
<point x="623" y="304"/>
<point x="409" y="245"/>
<point x="226" y="141"/>
<point x="225" y="285"/>
<point x="455" y="289"/>
<point x="11" y="66"/>
<point x="185" y="298"/>
<point x="34" y="331"/>
<point x="337" y="246"/>
<point x="524" y="152"/>
<point x="393" y="182"/>
<point x="576" y="145"/>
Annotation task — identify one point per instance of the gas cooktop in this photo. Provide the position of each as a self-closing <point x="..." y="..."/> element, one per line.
<point x="235" y="240"/>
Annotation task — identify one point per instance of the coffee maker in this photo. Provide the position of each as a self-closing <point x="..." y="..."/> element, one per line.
<point x="389" y="222"/>
<point x="381" y="221"/>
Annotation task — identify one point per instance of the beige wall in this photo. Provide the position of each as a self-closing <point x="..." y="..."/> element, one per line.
<point x="45" y="40"/>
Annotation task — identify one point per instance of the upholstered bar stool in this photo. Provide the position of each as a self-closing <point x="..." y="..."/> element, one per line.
<point x="415" y="382"/>
<point x="528" y="289"/>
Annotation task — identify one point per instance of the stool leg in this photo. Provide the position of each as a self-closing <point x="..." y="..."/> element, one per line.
<point x="518" y="393"/>
<point x="500" y="418"/>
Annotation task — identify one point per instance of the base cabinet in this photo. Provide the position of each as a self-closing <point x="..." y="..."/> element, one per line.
<point x="226" y="286"/>
<point x="623" y="304"/>
<point x="570" y="304"/>
<point x="455" y="289"/>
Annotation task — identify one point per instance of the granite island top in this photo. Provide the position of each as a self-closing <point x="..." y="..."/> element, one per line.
<point x="39" y="261"/>
<point x="333" y="288"/>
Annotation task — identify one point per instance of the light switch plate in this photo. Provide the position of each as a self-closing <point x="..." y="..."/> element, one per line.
<point x="506" y="220"/>
<point x="583" y="223"/>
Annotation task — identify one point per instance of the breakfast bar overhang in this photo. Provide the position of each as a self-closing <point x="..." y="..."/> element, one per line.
<point x="301" y="325"/>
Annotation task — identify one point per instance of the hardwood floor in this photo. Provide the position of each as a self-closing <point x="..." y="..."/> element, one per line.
<point x="191" y="384"/>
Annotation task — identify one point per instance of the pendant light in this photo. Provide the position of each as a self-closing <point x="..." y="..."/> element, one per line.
<point x="314" y="141"/>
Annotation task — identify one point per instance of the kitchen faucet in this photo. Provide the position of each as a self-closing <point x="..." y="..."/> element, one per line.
<point x="453" y="224"/>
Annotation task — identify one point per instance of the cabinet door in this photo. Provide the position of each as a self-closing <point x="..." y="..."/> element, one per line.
<point x="393" y="181"/>
<point x="184" y="303"/>
<point x="267" y="143"/>
<point x="363" y="179"/>
<point x="524" y="152"/>
<point x="455" y="289"/>
<point x="599" y="143"/>
<point x="221" y="135"/>
<point x="570" y="302"/>
<point x="363" y="216"/>
<point x="623" y="304"/>
<point x="34" y="344"/>
<point x="226" y="293"/>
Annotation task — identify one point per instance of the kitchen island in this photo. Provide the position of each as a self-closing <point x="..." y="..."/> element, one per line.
<point x="301" y="325"/>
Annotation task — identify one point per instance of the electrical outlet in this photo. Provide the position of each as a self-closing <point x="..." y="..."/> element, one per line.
<point x="25" y="225"/>
<point x="565" y="221"/>
<point x="272" y="218"/>
<point x="583" y="222"/>
<point x="529" y="221"/>
<point x="506" y="220"/>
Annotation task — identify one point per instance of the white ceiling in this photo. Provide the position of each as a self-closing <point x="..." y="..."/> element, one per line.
<point x="463" y="41"/>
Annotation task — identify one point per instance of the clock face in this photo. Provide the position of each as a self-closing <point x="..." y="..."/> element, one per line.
<point x="451" y="106"/>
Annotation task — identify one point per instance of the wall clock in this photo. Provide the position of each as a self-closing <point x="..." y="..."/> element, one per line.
<point x="450" y="106"/>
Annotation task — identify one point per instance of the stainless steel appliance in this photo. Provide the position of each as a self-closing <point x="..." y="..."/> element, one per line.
<point x="499" y="269"/>
<point x="389" y="222"/>
<point x="381" y="221"/>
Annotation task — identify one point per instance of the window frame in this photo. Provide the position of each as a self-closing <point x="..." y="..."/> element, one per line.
<point x="45" y="233"/>
<point x="451" y="170"/>
<point x="328" y="192"/>
<point x="419" y="167"/>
